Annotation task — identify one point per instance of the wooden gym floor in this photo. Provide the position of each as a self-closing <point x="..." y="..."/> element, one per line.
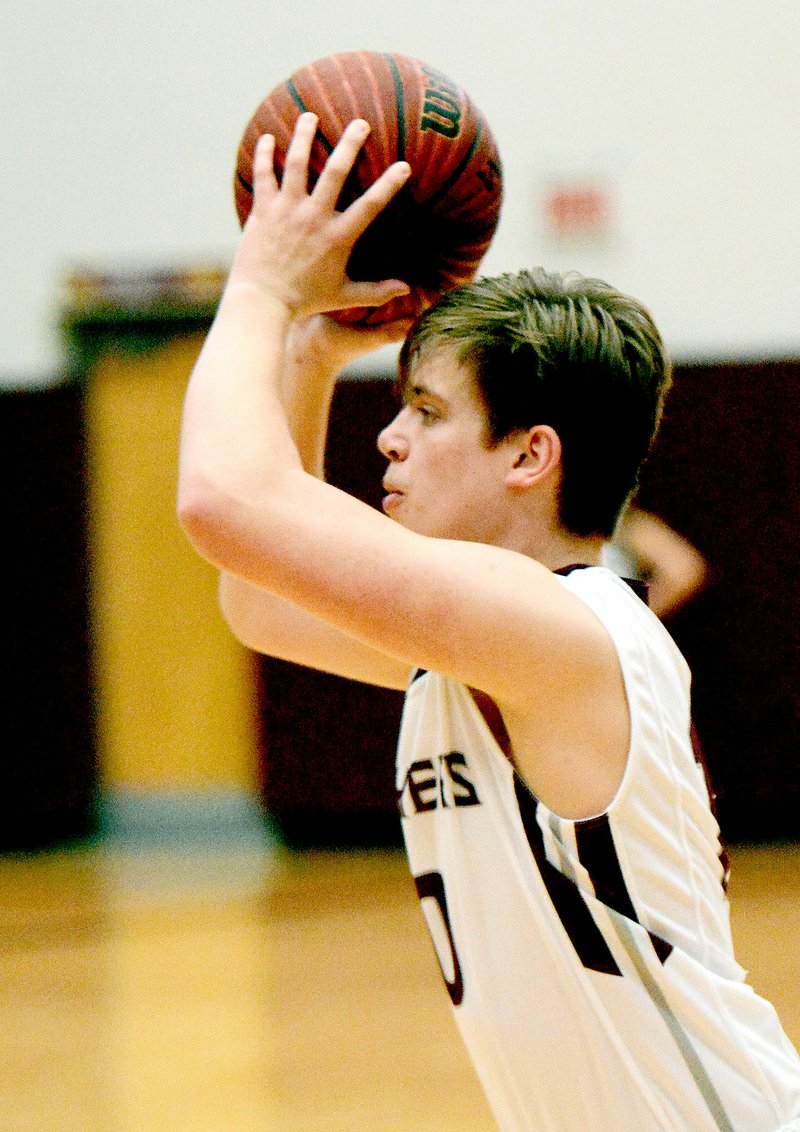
<point x="200" y="991"/>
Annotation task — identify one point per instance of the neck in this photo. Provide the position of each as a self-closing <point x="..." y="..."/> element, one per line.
<point x="535" y="530"/>
<point x="556" y="549"/>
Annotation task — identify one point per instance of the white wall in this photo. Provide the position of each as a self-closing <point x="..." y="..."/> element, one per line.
<point x="120" y="124"/>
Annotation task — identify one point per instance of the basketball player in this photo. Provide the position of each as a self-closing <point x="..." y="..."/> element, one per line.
<point x="557" y="824"/>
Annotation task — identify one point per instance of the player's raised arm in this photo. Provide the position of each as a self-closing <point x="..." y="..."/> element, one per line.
<point x="317" y="349"/>
<point x="303" y="356"/>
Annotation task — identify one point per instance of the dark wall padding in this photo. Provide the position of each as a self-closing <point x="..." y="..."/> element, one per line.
<point x="726" y="473"/>
<point x="48" y="773"/>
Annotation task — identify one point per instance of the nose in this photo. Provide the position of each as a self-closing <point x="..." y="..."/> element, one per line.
<point x="392" y="442"/>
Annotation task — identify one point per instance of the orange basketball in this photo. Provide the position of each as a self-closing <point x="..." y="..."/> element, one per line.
<point x="434" y="234"/>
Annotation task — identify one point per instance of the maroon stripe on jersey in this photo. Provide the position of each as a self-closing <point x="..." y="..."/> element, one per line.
<point x="572" y="911"/>
<point x="598" y="855"/>
<point x="700" y="759"/>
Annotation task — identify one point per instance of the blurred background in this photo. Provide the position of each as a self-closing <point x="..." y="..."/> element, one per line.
<point x="654" y="145"/>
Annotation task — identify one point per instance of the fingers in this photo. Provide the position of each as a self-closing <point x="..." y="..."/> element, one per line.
<point x="337" y="168"/>
<point x="340" y="163"/>
<point x="365" y="208"/>
<point x="295" y="172"/>
<point x="339" y="343"/>
<point x="301" y="237"/>
<point x="264" y="165"/>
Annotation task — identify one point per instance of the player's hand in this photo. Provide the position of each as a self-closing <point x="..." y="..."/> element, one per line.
<point x="295" y="244"/>
<point x="329" y="346"/>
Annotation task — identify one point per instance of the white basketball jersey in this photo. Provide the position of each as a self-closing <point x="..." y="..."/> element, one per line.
<point x="590" y="962"/>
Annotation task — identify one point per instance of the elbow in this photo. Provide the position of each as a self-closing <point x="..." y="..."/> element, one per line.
<point x="195" y="511"/>
<point x="202" y="512"/>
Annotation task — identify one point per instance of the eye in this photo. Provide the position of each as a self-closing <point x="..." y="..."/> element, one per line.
<point x="426" y="412"/>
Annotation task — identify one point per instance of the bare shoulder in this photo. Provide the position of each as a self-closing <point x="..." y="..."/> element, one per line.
<point x="571" y="741"/>
<point x="532" y="639"/>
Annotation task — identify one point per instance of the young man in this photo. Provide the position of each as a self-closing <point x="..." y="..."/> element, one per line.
<point x="557" y="824"/>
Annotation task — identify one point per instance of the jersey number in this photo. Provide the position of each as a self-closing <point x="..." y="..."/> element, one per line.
<point x="430" y="889"/>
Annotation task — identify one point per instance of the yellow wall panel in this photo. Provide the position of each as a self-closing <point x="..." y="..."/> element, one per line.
<point x="175" y="693"/>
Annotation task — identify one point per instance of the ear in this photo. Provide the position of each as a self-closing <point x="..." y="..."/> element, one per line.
<point x="537" y="456"/>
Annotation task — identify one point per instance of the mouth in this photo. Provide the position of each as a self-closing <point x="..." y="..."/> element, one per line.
<point x="392" y="497"/>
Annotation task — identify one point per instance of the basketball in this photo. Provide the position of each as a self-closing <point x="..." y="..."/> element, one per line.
<point x="435" y="232"/>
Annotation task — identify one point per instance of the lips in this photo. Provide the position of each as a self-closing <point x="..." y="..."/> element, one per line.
<point x="391" y="498"/>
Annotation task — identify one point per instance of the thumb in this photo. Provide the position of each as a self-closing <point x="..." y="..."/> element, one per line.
<point x="372" y="294"/>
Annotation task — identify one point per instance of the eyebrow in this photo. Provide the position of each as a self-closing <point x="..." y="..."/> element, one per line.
<point x="418" y="390"/>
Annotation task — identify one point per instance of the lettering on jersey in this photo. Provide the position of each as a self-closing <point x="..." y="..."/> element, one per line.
<point x="443" y="783"/>
<point x="430" y="889"/>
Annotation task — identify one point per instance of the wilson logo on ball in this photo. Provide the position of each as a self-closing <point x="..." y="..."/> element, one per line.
<point x="442" y="108"/>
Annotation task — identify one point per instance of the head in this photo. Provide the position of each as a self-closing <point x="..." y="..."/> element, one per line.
<point x="568" y="352"/>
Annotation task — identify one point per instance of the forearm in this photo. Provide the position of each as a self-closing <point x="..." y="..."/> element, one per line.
<point x="235" y="437"/>
<point x="309" y="376"/>
<point x="317" y="350"/>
